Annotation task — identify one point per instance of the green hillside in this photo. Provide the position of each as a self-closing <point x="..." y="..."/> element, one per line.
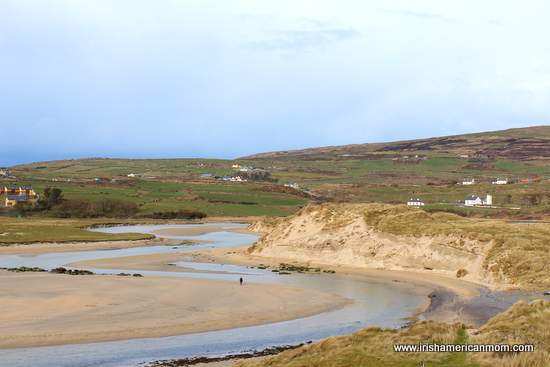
<point x="382" y="172"/>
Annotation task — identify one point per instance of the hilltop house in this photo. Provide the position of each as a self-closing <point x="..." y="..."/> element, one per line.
<point x="474" y="200"/>
<point x="468" y="181"/>
<point x="500" y="181"/>
<point x="415" y="202"/>
<point x="15" y="195"/>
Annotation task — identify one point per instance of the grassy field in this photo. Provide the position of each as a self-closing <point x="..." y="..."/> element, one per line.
<point x="174" y="184"/>
<point x="28" y="230"/>
<point x="373" y="347"/>
<point x="79" y="169"/>
<point x="213" y="199"/>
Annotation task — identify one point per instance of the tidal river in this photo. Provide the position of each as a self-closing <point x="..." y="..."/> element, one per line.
<point x="375" y="302"/>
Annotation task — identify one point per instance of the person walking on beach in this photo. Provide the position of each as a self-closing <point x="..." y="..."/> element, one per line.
<point x="241" y="281"/>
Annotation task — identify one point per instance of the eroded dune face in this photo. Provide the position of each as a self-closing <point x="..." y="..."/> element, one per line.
<point x="348" y="235"/>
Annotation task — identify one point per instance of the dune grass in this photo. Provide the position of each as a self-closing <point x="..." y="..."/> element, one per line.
<point x="519" y="253"/>
<point x="373" y="347"/>
<point x="523" y="323"/>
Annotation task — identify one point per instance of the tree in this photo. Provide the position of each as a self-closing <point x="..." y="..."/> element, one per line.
<point x="50" y="198"/>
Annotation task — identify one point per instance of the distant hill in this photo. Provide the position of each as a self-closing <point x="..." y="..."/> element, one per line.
<point x="530" y="143"/>
<point x="391" y="172"/>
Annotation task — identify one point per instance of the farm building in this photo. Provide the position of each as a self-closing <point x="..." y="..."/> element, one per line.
<point x="474" y="200"/>
<point x="415" y="202"/>
<point x="500" y="181"/>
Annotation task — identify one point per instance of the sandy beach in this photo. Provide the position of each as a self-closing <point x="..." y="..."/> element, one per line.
<point x="45" y="309"/>
<point x="40" y="309"/>
<point x="240" y="256"/>
<point x="447" y="299"/>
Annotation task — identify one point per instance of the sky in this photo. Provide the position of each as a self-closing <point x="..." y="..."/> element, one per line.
<point x="227" y="78"/>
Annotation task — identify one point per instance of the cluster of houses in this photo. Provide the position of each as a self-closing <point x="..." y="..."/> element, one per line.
<point x="233" y="179"/>
<point x="497" y="181"/>
<point x="224" y="178"/>
<point x="240" y="168"/>
<point x="6" y="173"/>
<point x="470" y="200"/>
<point x="247" y="171"/>
<point x="14" y="195"/>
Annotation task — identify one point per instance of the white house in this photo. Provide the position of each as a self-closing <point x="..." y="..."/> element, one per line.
<point x="246" y="169"/>
<point x="237" y="179"/>
<point x="474" y="200"/>
<point x="293" y="185"/>
<point x="415" y="202"/>
<point x="501" y="181"/>
<point x="468" y="181"/>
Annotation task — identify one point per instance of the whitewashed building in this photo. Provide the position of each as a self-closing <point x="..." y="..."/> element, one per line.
<point x="237" y="179"/>
<point x="293" y="185"/>
<point x="415" y="202"/>
<point x="500" y="181"/>
<point x="469" y="181"/>
<point x="474" y="200"/>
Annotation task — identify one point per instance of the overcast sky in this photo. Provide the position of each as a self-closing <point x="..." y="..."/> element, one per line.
<point x="224" y="78"/>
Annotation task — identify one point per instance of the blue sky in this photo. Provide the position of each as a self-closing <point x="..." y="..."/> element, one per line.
<point x="163" y="78"/>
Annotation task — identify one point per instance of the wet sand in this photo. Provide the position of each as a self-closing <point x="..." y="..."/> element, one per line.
<point x="447" y="299"/>
<point x="154" y="262"/>
<point x="44" y="248"/>
<point x="40" y="309"/>
<point x="240" y="256"/>
<point x="196" y="231"/>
